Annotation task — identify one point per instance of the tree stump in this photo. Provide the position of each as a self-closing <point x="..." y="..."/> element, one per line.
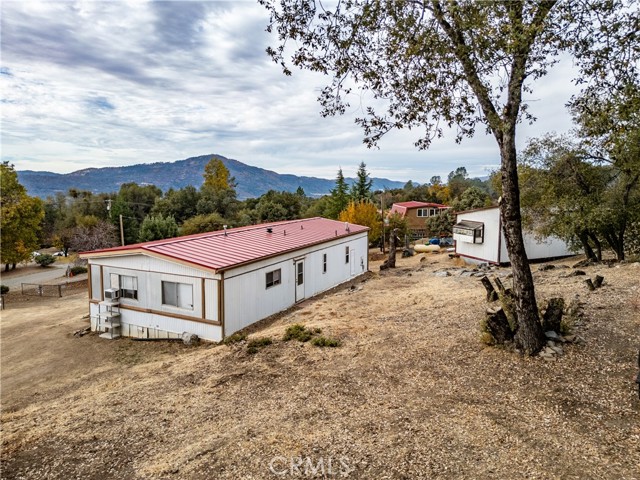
<point x="590" y="284"/>
<point x="597" y="282"/>
<point x="498" y="325"/>
<point x="390" y="262"/>
<point x="553" y="315"/>
<point x="492" y="295"/>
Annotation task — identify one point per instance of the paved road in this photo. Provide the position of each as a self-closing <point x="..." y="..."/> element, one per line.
<point x="42" y="276"/>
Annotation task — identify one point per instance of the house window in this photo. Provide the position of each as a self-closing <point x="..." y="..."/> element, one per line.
<point x="324" y="263"/>
<point x="127" y="285"/>
<point x="273" y="278"/>
<point x="427" y="212"/>
<point x="177" y="294"/>
<point x="346" y="254"/>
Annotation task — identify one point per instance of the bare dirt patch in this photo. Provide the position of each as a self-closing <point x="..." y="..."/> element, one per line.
<point x="410" y="393"/>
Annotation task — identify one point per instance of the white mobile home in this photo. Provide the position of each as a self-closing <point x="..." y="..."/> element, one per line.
<point x="214" y="284"/>
<point x="480" y="238"/>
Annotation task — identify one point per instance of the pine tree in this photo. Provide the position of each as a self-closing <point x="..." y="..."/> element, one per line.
<point x="339" y="198"/>
<point x="361" y="189"/>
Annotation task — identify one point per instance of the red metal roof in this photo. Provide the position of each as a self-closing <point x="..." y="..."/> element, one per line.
<point x="402" y="207"/>
<point x="220" y="251"/>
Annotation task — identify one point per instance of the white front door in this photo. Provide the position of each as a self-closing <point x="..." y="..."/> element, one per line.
<point x="299" y="270"/>
<point x="352" y="258"/>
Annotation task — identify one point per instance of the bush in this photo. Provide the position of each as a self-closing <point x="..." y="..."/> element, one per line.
<point x="298" y="332"/>
<point x="325" y="342"/>
<point x="4" y="289"/>
<point x="78" y="270"/>
<point x="45" y="259"/>
<point x="235" y="338"/>
<point x="258" y="343"/>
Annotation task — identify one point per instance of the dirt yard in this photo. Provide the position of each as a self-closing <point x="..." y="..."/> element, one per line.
<point x="410" y="393"/>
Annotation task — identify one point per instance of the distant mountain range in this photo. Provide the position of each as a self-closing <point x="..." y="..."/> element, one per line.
<point x="252" y="181"/>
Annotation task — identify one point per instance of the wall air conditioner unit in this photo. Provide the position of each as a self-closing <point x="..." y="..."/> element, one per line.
<point x="111" y="294"/>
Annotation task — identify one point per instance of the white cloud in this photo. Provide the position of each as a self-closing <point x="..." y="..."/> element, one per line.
<point x="89" y="84"/>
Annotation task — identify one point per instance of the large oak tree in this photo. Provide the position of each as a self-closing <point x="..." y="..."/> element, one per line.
<point x="432" y="64"/>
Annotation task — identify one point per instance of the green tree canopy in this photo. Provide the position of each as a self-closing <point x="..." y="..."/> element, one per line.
<point x="339" y="196"/>
<point x="361" y="188"/>
<point x="157" y="227"/>
<point x="20" y="218"/>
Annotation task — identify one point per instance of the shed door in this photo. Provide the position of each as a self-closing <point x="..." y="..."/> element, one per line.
<point x="352" y="258"/>
<point x="299" y="269"/>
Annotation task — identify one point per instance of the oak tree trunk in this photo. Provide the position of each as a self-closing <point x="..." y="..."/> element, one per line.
<point x="529" y="336"/>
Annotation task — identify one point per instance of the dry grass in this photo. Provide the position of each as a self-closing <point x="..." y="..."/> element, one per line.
<point x="410" y="393"/>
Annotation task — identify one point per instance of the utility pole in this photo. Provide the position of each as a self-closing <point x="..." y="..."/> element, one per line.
<point x="121" y="231"/>
<point x="383" y="224"/>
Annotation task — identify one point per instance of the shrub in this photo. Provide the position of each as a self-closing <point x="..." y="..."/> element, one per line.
<point x="298" y="332"/>
<point x="45" y="259"/>
<point x="258" y="343"/>
<point x="325" y="342"/>
<point x="78" y="270"/>
<point x="4" y="289"/>
<point x="235" y="338"/>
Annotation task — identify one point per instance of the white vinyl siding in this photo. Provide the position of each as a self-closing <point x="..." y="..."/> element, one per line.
<point x="96" y="282"/>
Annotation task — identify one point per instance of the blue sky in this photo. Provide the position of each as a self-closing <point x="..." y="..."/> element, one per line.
<point x="93" y="84"/>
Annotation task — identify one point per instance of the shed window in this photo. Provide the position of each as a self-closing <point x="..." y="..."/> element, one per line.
<point x="177" y="294"/>
<point x="127" y="285"/>
<point x="468" y="231"/>
<point x="324" y="263"/>
<point x="346" y="254"/>
<point x="273" y="278"/>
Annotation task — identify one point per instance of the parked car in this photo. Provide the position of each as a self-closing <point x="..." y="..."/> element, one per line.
<point x="446" y="242"/>
<point x="58" y="254"/>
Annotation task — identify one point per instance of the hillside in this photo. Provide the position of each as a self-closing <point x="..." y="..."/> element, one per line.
<point x="252" y="181"/>
<point x="410" y="394"/>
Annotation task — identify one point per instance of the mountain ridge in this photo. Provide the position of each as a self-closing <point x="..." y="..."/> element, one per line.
<point x="252" y="181"/>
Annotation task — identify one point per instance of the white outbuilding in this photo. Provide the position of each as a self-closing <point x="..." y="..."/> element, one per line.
<point x="479" y="238"/>
<point x="214" y="284"/>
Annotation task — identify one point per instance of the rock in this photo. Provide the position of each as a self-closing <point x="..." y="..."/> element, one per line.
<point x="569" y="338"/>
<point x="551" y="343"/>
<point x="443" y="273"/>
<point x="549" y="351"/>
<point x="544" y="268"/>
<point x="190" y="338"/>
<point x="552" y="335"/>
<point x="550" y="359"/>
<point x="558" y="350"/>
<point x="466" y="273"/>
